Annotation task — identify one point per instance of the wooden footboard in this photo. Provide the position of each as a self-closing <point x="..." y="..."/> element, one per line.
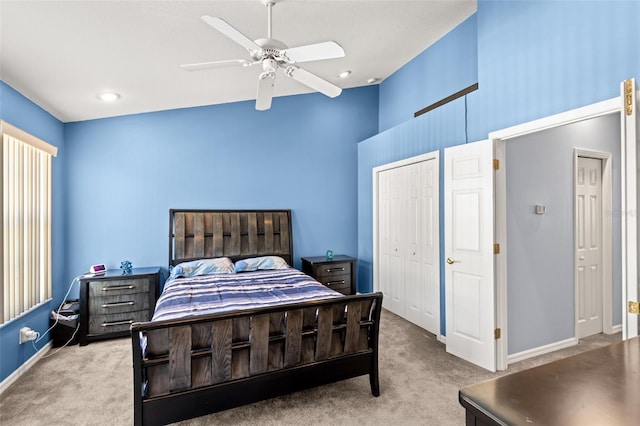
<point x="191" y="367"/>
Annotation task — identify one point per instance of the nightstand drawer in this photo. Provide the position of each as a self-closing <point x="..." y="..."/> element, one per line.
<point x="118" y="287"/>
<point x="113" y="323"/>
<point x="329" y="270"/>
<point x="341" y="284"/>
<point x="118" y="303"/>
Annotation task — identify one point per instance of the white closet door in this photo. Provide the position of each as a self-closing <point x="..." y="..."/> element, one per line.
<point x="408" y="241"/>
<point x="412" y="236"/>
<point x="397" y="248"/>
<point x="384" y="237"/>
<point x="429" y="245"/>
<point x="390" y="212"/>
<point x="422" y="288"/>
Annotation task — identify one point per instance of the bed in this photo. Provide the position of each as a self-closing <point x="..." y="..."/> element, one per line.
<point x="190" y="365"/>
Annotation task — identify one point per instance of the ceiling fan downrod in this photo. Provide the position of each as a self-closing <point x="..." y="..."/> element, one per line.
<point x="269" y="4"/>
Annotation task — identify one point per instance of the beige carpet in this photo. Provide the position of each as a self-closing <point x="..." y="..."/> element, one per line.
<point x="419" y="385"/>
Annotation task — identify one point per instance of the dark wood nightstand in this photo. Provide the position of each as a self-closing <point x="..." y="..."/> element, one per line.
<point x="112" y="301"/>
<point x="338" y="274"/>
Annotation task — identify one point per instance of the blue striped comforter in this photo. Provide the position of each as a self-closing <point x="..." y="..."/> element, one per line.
<point x="209" y="294"/>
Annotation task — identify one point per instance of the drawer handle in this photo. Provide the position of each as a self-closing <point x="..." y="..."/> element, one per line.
<point x="109" y="324"/>
<point x="119" y="287"/>
<point x="335" y="269"/>
<point x="330" y="283"/>
<point x="116" y="304"/>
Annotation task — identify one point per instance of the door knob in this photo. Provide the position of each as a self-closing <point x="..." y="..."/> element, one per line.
<point x="450" y="261"/>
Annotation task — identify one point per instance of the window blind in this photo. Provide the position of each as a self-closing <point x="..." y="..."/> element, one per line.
<point x="26" y="222"/>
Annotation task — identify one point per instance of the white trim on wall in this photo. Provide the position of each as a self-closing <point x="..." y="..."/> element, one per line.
<point x="541" y="350"/>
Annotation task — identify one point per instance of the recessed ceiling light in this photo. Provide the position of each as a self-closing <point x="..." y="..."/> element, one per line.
<point x="373" y="80"/>
<point x="344" y="74"/>
<point x="109" y="96"/>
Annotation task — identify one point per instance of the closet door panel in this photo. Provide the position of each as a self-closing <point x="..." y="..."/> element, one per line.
<point x="384" y="237"/>
<point x="428" y="246"/>
<point x="396" y="220"/>
<point x="412" y="240"/>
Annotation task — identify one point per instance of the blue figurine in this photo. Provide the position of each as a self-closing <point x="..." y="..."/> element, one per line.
<point x="126" y="266"/>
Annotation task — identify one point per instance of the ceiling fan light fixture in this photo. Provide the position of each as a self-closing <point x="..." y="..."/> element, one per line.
<point x="344" y="74"/>
<point x="109" y="96"/>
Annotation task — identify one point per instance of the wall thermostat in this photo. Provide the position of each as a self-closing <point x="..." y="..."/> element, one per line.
<point x="97" y="269"/>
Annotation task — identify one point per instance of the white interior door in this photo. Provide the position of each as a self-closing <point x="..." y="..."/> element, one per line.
<point x="469" y="274"/>
<point x="588" y="246"/>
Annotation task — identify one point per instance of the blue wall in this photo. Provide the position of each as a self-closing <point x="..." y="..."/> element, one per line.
<point x="534" y="59"/>
<point x="449" y="65"/>
<point x="538" y="58"/>
<point x="19" y="111"/>
<point x="127" y="172"/>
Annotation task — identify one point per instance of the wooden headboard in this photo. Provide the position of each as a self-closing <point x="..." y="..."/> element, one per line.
<point x="237" y="234"/>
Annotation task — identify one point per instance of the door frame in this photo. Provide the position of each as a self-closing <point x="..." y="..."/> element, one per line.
<point x="629" y="185"/>
<point x="434" y="155"/>
<point x="606" y="232"/>
<point x="500" y="138"/>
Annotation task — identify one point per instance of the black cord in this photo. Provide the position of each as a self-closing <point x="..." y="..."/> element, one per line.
<point x="466" y="134"/>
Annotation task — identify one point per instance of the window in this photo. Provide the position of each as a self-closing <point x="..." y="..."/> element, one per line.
<point x="25" y="265"/>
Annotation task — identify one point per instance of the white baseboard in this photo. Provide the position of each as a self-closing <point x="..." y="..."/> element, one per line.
<point x="24" y="368"/>
<point x="442" y="339"/>
<point x="541" y="350"/>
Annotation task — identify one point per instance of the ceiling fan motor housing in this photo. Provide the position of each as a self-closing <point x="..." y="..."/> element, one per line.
<point x="269" y="65"/>
<point x="270" y="48"/>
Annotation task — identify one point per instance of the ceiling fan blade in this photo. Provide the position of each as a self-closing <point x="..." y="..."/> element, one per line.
<point x="235" y="35"/>
<point x="266" y="81"/>
<point x="314" y="52"/>
<point x="215" y="64"/>
<point x="313" y="81"/>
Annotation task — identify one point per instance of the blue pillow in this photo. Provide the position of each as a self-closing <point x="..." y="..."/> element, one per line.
<point x="218" y="265"/>
<point x="257" y="263"/>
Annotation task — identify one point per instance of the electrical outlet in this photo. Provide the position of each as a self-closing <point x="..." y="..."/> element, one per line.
<point x="27" y="334"/>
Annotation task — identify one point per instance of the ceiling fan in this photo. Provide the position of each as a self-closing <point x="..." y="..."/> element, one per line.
<point x="273" y="54"/>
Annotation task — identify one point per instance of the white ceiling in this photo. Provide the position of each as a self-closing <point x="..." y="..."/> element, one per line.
<point x="62" y="54"/>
